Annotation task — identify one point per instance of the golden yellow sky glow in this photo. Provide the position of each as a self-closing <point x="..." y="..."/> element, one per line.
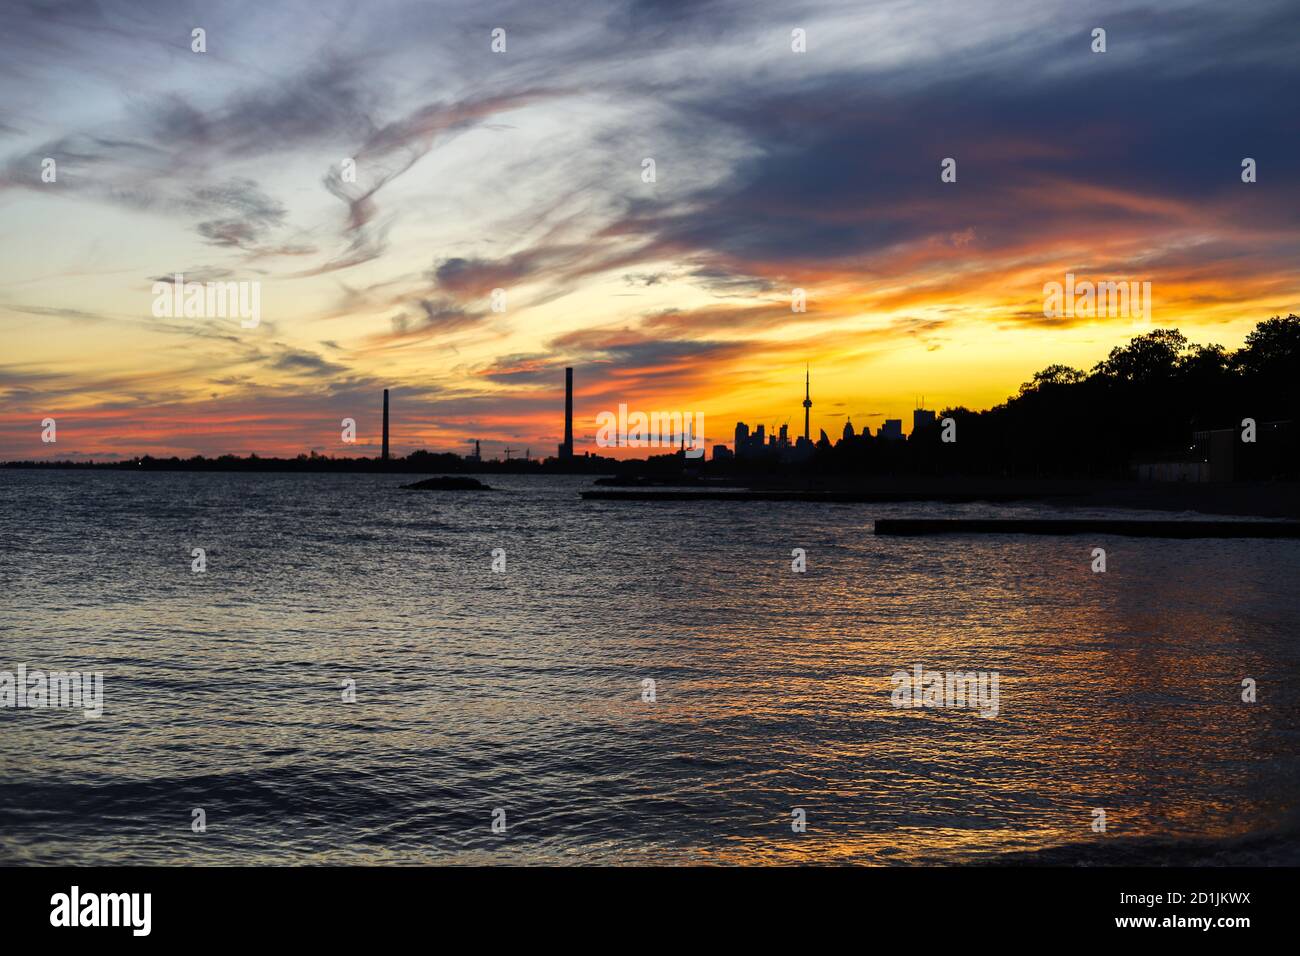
<point x="525" y="171"/>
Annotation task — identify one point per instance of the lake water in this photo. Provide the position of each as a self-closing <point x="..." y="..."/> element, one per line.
<point x="522" y="691"/>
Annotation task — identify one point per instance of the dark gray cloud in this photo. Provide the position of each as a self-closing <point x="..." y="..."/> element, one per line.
<point x="841" y="171"/>
<point x="195" y="274"/>
<point x="307" y="363"/>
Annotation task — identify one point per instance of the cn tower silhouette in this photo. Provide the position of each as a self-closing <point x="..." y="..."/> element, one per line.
<point x="807" y="403"/>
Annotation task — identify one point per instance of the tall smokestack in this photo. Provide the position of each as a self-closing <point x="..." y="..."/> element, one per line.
<point x="385" y="455"/>
<point x="568" y="413"/>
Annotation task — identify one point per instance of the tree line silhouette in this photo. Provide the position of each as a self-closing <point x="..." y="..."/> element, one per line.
<point x="1145" y="401"/>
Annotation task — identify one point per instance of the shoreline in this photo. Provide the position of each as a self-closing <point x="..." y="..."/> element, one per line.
<point x="1237" y="499"/>
<point x="1256" y="499"/>
<point x="1163" y="528"/>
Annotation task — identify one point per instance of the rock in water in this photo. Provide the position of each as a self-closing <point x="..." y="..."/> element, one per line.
<point x="446" y="483"/>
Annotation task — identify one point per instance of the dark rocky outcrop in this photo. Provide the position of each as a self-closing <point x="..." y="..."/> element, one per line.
<point x="449" y="483"/>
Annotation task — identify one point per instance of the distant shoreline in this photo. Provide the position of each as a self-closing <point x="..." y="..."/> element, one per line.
<point x="414" y="465"/>
<point x="1239" y="499"/>
<point x="1262" y="499"/>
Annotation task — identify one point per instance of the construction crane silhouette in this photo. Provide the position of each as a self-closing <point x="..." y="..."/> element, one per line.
<point x="508" y="450"/>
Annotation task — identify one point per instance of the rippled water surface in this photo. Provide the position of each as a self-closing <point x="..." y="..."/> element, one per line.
<point x="522" y="691"/>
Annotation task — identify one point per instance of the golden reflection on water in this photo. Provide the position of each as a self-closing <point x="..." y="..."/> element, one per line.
<point x="1118" y="691"/>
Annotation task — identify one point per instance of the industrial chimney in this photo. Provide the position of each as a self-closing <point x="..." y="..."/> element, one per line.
<point x="566" y="450"/>
<point x="385" y="454"/>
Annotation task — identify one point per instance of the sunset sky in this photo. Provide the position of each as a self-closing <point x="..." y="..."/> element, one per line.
<point x="522" y="170"/>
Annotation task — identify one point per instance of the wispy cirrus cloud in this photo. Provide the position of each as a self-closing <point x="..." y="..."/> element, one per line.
<point x="524" y="171"/>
